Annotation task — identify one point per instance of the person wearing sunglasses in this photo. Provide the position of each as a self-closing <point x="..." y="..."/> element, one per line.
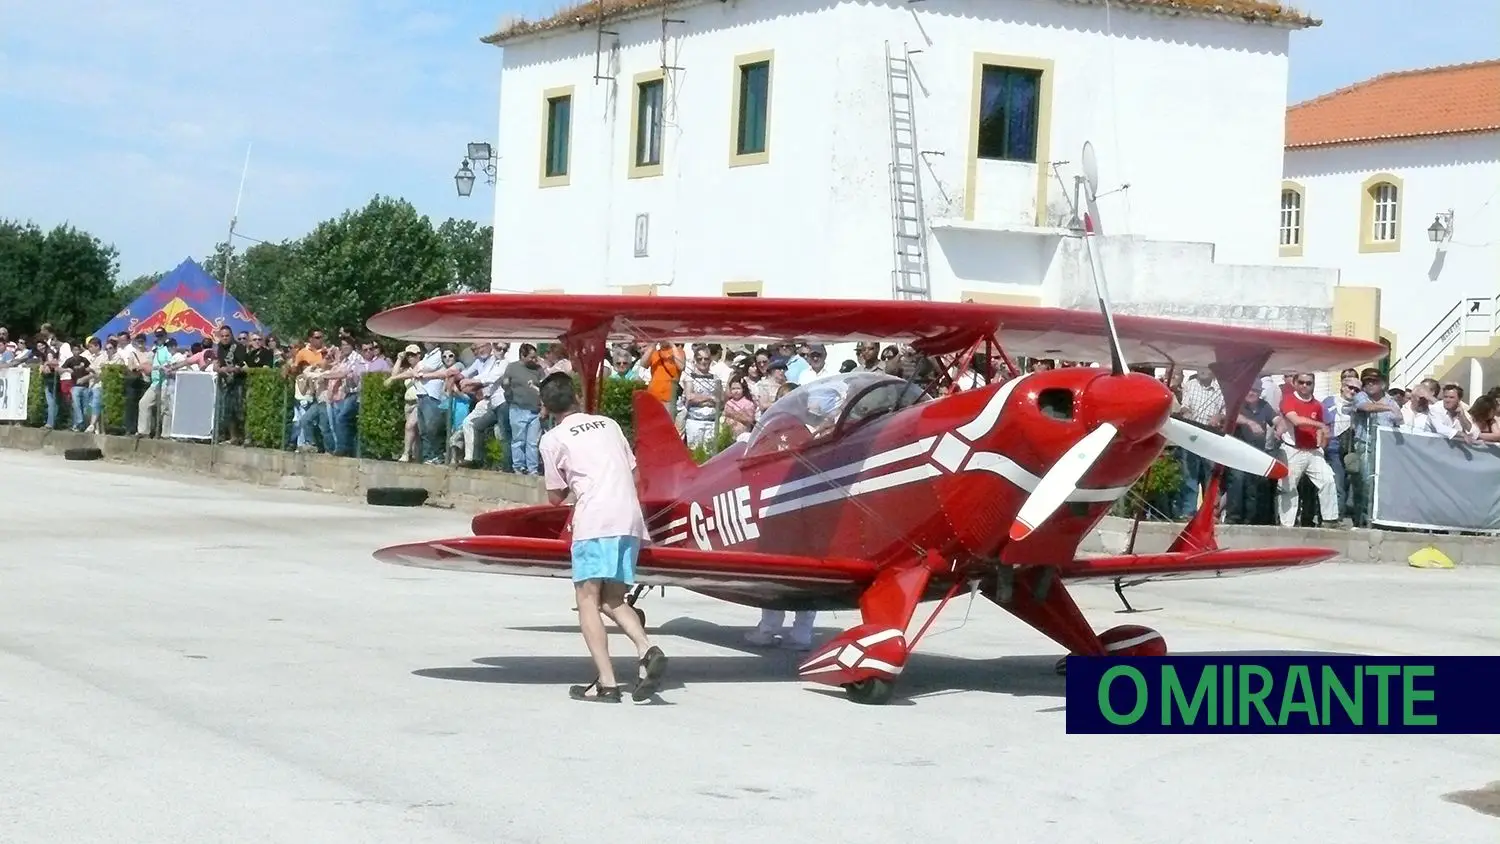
<point x="1303" y="451"/>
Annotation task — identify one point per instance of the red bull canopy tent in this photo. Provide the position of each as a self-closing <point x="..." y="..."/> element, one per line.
<point x="189" y="303"/>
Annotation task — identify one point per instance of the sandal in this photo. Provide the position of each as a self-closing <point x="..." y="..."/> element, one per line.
<point x="655" y="665"/>
<point x="601" y="694"/>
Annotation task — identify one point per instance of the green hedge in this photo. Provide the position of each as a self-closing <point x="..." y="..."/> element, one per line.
<point x="382" y="417"/>
<point x="112" y="397"/>
<point x="268" y="407"/>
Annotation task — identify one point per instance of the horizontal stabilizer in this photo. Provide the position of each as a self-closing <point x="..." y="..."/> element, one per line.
<point x="769" y="575"/>
<point x="1134" y="569"/>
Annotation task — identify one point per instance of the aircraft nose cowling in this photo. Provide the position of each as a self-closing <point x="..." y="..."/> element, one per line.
<point x="1138" y="405"/>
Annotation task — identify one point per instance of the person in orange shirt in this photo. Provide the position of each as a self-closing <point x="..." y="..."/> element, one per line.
<point x="666" y="363"/>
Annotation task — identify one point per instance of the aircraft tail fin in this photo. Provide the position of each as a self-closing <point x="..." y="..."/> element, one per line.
<point x="661" y="456"/>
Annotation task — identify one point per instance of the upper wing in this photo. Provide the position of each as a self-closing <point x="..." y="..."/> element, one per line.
<point x="936" y="327"/>
<point x="768" y="575"/>
<point x="1134" y="569"/>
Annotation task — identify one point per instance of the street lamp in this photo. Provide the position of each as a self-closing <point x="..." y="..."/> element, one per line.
<point x="464" y="178"/>
<point x="482" y="154"/>
<point x="1441" y="228"/>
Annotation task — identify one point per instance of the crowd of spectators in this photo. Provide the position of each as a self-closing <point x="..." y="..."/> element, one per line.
<point x="457" y="399"/>
<point x="1325" y="439"/>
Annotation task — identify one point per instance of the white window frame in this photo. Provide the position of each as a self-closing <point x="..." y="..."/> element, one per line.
<point x="1385" y="213"/>
<point x="1291" y="218"/>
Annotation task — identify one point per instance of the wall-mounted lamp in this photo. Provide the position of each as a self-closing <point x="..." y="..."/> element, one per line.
<point x="481" y="154"/>
<point x="1441" y="228"/>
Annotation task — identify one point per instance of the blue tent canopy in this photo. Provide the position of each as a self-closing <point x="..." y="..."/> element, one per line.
<point x="189" y="303"/>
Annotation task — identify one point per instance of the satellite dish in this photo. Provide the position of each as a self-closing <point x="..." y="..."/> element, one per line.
<point x="1090" y="168"/>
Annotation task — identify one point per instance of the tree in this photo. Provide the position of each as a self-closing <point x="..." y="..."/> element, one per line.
<point x="469" y="247"/>
<point x="255" y="275"/>
<point x="351" y="268"/>
<point x="21" y="301"/>
<point x="65" y="277"/>
<point x="78" y="273"/>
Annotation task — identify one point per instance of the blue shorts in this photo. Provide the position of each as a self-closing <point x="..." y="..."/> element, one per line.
<point x="606" y="558"/>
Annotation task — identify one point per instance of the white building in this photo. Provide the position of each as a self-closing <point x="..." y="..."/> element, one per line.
<point x="745" y="147"/>
<point x="1373" y="173"/>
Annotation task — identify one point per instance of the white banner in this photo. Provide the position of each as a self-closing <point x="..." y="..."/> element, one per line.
<point x="193" y="400"/>
<point x="15" y="387"/>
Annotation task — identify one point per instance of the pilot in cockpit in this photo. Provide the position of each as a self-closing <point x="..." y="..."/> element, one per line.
<point x="825" y="399"/>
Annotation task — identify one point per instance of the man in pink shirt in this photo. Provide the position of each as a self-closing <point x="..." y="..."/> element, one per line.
<point x="588" y="456"/>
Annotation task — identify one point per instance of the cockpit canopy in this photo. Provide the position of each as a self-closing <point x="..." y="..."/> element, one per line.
<point x="820" y="408"/>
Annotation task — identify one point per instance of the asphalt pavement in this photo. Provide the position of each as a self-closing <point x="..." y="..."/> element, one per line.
<point x="189" y="660"/>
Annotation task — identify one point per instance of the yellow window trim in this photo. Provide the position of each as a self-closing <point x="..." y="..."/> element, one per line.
<point x="763" y="157"/>
<point x="638" y="289"/>
<point x="1293" y="251"/>
<point x="744" y="288"/>
<point x="648" y="170"/>
<point x="548" y="96"/>
<point x="1043" y="127"/>
<point x="1390" y="337"/>
<point x="1367" y="241"/>
<point x="986" y="298"/>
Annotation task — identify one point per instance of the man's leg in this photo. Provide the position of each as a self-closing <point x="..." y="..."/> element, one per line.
<point x="1187" y="491"/>
<point x="612" y="595"/>
<point x="1296" y="464"/>
<point x="144" y="412"/>
<point x="1328" y="492"/>
<point x="594" y="636"/>
<point x="480" y="418"/>
<point x="765" y="633"/>
<point x="79" y="395"/>
<point x="802" y="630"/>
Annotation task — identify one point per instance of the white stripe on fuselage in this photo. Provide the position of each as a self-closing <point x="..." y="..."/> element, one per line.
<point x="952" y="454"/>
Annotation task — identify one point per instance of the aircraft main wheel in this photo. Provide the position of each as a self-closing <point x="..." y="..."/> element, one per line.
<point x="1062" y="667"/>
<point x="872" y="692"/>
<point x="83" y="454"/>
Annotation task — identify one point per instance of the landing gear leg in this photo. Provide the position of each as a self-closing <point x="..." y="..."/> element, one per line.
<point x="1120" y="591"/>
<point x="635" y="595"/>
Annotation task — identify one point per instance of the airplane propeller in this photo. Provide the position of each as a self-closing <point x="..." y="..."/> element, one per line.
<point x="1062" y="479"/>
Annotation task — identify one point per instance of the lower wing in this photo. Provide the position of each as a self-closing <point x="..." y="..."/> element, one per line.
<point x="770" y="575"/>
<point x="1135" y="569"/>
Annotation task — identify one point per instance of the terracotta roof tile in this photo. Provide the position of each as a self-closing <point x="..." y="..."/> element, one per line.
<point x="588" y="13"/>
<point x="1407" y="104"/>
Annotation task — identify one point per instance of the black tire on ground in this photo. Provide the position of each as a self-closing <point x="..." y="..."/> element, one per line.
<point x="871" y="692"/>
<point x="396" y="496"/>
<point x="89" y="453"/>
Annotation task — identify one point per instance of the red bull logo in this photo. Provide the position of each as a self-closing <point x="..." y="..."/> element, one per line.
<point x="175" y="317"/>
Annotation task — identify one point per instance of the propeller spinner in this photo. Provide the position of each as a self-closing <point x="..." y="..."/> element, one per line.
<point x="1131" y="407"/>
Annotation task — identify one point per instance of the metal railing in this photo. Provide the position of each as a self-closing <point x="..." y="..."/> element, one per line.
<point x="1471" y="321"/>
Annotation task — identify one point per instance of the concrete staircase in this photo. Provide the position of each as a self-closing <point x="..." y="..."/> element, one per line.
<point x="1462" y="347"/>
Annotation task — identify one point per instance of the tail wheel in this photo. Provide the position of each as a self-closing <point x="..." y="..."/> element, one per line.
<point x="872" y="692"/>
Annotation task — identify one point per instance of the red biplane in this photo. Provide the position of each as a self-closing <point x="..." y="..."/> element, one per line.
<point x="901" y="497"/>
<point x="891" y="495"/>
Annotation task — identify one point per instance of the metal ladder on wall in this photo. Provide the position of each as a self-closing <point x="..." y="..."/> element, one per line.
<point x="909" y="277"/>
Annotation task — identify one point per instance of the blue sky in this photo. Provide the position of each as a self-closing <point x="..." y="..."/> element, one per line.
<point x="130" y="118"/>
